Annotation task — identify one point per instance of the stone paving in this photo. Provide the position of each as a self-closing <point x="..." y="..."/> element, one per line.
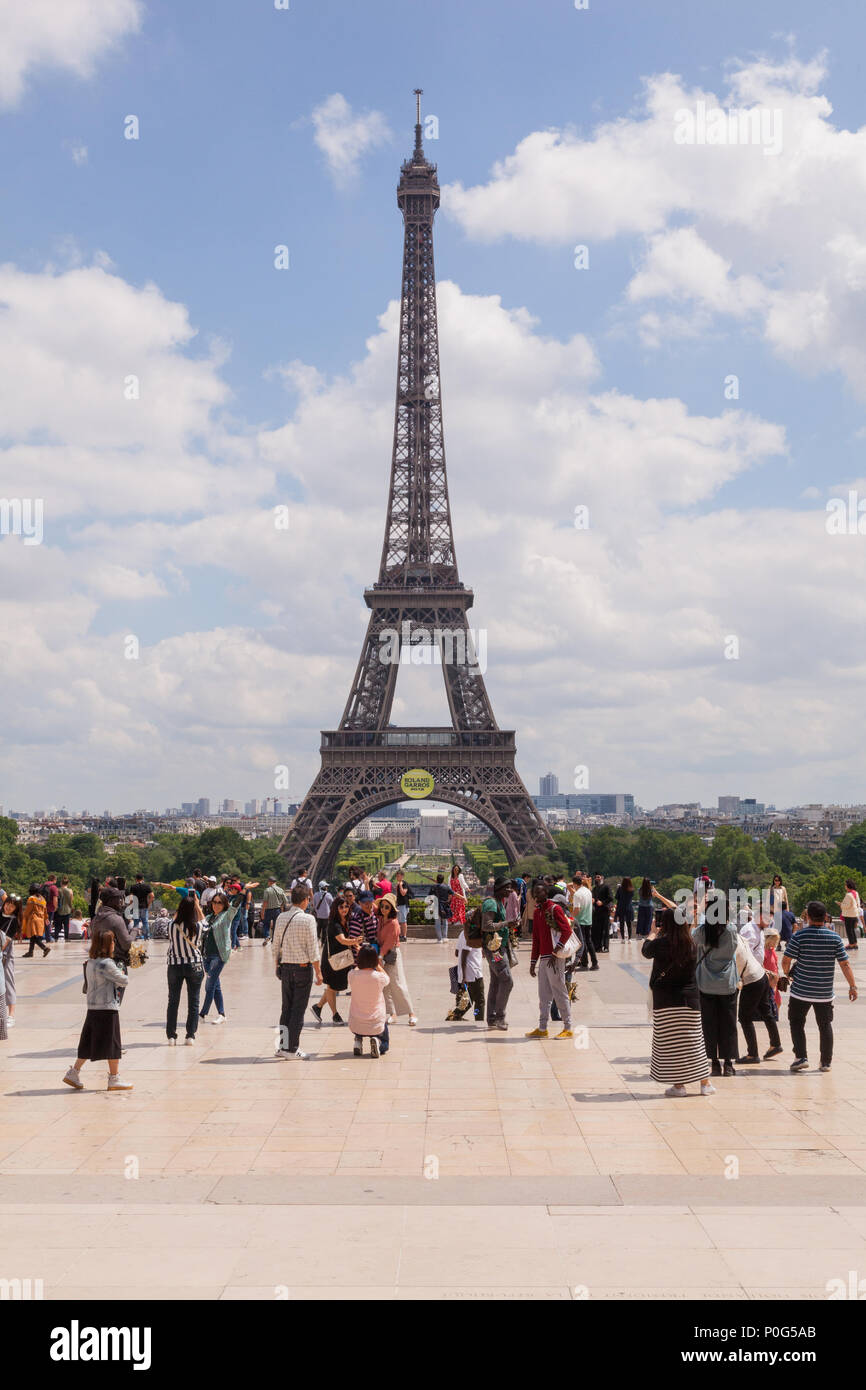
<point x="462" y="1161"/>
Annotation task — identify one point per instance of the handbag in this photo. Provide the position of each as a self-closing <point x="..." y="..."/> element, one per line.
<point x="340" y="960"/>
<point x="570" y="949"/>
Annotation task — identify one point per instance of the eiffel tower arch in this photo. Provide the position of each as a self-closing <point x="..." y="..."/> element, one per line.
<point x="418" y="613"/>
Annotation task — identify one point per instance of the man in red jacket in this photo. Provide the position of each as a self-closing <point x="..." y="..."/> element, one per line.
<point x="551" y="932"/>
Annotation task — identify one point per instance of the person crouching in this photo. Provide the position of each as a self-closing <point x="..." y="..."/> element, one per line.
<point x="367" y="1013"/>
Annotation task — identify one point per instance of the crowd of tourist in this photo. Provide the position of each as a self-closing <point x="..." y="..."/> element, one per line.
<point x="709" y="974"/>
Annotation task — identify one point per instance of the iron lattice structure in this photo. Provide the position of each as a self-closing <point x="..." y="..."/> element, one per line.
<point x="419" y="601"/>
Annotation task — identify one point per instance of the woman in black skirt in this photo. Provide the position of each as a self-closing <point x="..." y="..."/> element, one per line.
<point x="100" y="1036"/>
<point x="336" y="940"/>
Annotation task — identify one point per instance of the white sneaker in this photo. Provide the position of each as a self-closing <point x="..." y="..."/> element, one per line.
<point x="73" y="1079"/>
<point x="412" y="1020"/>
<point x="300" y="1056"/>
<point x="220" y="1018"/>
<point x="172" y="1042"/>
<point x="188" y="1042"/>
<point x="676" y="1092"/>
<point x="115" y="1084"/>
<point x="707" y="1088"/>
<point x="10" y="1023"/>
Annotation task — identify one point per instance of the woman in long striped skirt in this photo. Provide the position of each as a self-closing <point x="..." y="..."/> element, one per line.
<point x="679" y="1056"/>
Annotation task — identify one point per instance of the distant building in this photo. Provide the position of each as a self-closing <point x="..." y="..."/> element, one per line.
<point x="729" y="805"/>
<point x="435" y="833"/>
<point x="548" y="785"/>
<point x="231" y="808"/>
<point x="588" y="803"/>
<point x="204" y="806"/>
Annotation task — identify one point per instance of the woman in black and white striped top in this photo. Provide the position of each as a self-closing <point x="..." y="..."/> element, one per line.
<point x="184" y="963"/>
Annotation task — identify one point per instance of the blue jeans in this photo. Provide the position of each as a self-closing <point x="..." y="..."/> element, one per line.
<point x="441" y="925"/>
<point x="212" y="991"/>
<point x="236" y="921"/>
<point x="384" y="1040"/>
<point x="144" y="923"/>
<point x="241" y="928"/>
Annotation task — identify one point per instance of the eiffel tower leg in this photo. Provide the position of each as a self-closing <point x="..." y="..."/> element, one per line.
<point x="464" y="679"/>
<point x="372" y="694"/>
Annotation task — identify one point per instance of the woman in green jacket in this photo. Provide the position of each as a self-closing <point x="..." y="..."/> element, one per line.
<point x="216" y="950"/>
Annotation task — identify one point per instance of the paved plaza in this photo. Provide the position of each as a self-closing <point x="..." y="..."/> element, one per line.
<point x="463" y="1162"/>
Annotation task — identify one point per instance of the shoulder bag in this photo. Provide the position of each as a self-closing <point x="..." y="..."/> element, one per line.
<point x="339" y="960"/>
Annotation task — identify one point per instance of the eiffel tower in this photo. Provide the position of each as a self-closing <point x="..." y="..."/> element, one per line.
<point x="418" y="610"/>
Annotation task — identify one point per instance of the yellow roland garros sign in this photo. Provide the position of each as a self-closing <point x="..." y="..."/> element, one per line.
<point x="416" y="782"/>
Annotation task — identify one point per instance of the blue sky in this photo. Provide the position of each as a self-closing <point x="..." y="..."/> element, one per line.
<point x="227" y="166"/>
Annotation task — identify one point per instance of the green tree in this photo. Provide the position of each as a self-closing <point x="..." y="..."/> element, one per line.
<point x="736" y="860"/>
<point x="851" y="847"/>
<point x="8" y="832"/>
<point x="608" y="851"/>
<point x="676" y="883"/>
<point x="571" y="849"/>
<point x="828" y="887"/>
<point x="212" y="850"/>
<point x="535" y="865"/>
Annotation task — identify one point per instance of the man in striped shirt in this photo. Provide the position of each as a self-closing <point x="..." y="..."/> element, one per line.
<point x="363" y="922"/>
<point x="814" y="950"/>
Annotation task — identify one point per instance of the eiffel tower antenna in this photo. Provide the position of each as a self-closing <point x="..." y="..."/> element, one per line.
<point x="419" y="148"/>
<point x="417" y="605"/>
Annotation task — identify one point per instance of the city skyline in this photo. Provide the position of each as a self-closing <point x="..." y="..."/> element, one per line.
<point x="748" y="806"/>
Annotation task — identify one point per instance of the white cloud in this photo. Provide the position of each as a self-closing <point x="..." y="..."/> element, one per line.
<point x="71" y="344"/>
<point x="345" y="136"/>
<point x="771" y="241"/>
<point x="72" y="34"/>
